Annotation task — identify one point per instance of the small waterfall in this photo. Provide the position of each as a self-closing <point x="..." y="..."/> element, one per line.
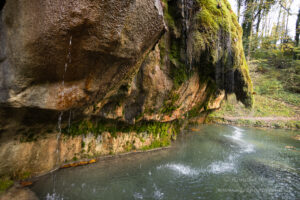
<point x="68" y="61"/>
<point x="186" y="12"/>
<point x="59" y="122"/>
<point x="69" y="121"/>
<point x="54" y="195"/>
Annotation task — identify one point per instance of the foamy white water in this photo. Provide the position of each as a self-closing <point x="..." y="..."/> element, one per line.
<point x="54" y="196"/>
<point x="229" y="164"/>
<point x="138" y="196"/>
<point x="157" y="193"/>
<point x="181" y="169"/>
<point x="221" y="167"/>
<point x="237" y="137"/>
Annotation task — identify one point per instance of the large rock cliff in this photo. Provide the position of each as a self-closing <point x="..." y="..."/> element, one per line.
<point x="65" y="65"/>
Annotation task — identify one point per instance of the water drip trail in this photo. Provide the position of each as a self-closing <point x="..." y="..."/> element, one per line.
<point x="186" y="6"/>
<point x="184" y="28"/>
<point x="69" y="121"/>
<point x="54" y="196"/>
<point x="68" y="61"/>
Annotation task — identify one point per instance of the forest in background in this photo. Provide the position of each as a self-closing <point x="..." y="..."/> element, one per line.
<point x="273" y="54"/>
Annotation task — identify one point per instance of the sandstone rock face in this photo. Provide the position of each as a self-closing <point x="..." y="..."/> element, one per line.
<point x="63" y="54"/>
<point x="45" y="154"/>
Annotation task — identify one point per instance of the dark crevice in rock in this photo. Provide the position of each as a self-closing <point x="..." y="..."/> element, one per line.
<point x="4" y="67"/>
<point x="2" y="3"/>
<point x="239" y="90"/>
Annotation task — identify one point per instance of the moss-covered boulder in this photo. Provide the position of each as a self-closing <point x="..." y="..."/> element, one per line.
<point x="217" y="48"/>
<point x="196" y="63"/>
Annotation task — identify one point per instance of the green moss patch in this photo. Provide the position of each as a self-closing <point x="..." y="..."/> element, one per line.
<point x="170" y="103"/>
<point x="172" y="45"/>
<point x="163" y="133"/>
<point x="99" y="126"/>
<point x="5" y="183"/>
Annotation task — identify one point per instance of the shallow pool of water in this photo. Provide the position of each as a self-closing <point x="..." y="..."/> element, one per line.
<point x="206" y="162"/>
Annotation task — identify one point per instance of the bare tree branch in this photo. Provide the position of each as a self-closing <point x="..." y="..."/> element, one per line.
<point x="286" y="9"/>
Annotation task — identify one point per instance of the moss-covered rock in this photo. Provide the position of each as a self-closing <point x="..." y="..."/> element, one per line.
<point x="125" y="70"/>
<point x="218" y="51"/>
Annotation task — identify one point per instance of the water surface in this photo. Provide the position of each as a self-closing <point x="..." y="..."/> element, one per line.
<point x="207" y="162"/>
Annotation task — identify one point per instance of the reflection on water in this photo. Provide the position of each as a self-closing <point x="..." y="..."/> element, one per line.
<point x="211" y="162"/>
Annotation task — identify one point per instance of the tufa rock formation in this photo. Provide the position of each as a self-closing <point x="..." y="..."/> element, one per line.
<point x="84" y="65"/>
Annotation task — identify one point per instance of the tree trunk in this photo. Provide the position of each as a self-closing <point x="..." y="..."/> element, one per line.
<point x="277" y="28"/>
<point x="288" y="9"/>
<point x="296" y="54"/>
<point x="250" y="30"/>
<point x="282" y="28"/>
<point x="259" y="15"/>
<point x="297" y="29"/>
<point x="248" y="24"/>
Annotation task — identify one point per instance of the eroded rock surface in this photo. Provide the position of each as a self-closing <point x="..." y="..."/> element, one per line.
<point x="64" y="64"/>
<point x="63" y="54"/>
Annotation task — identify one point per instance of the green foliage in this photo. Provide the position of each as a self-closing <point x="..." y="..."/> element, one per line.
<point x="29" y="136"/>
<point x="269" y="86"/>
<point x="129" y="147"/>
<point x="293" y="124"/>
<point x="279" y="60"/>
<point x="96" y="127"/>
<point x="179" y="72"/>
<point x="5" y="183"/>
<point x="164" y="134"/>
<point x="272" y="100"/>
<point x="24" y="175"/>
<point x="277" y="83"/>
<point x="169" y="104"/>
<point x="82" y="144"/>
<point x="169" y="16"/>
<point x="162" y="138"/>
<point x="263" y="107"/>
